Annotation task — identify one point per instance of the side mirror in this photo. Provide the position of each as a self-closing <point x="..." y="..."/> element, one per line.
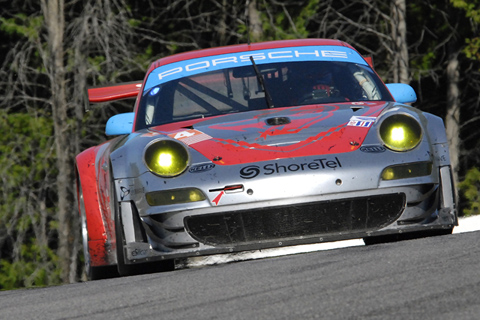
<point x="402" y="92"/>
<point x="120" y="124"/>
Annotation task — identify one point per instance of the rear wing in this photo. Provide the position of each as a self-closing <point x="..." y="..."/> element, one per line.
<point x="369" y="60"/>
<point x="114" y="92"/>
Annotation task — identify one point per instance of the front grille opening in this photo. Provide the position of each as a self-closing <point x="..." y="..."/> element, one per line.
<point x="296" y="221"/>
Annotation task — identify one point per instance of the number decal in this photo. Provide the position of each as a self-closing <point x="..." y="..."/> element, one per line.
<point x="190" y="136"/>
<point x="184" y="134"/>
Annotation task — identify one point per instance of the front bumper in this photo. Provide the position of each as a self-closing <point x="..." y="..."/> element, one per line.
<point x="305" y="220"/>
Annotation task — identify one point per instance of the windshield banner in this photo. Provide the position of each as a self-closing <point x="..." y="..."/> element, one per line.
<point x="191" y="67"/>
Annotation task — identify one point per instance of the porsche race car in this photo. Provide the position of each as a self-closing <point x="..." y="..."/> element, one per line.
<point x="258" y="146"/>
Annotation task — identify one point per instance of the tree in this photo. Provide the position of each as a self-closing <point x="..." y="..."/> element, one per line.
<point x="27" y="170"/>
<point x="53" y="60"/>
<point x="254" y="21"/>
<point x="472" y="12"/>
<point x="27" y="158"/>
<point x="47" y="74"/>
<point x="399" y="36"/>
<point x="453" y="117"/>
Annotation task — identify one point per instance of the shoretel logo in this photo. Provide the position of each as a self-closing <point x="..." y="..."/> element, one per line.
<point x="253" y="171"/>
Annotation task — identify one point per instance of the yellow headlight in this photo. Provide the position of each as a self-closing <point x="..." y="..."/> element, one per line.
<point x="166" y="158"/>
<point x="407" y="170"/>
<point x="176" y="196"/>
<point x="400" y="132"/>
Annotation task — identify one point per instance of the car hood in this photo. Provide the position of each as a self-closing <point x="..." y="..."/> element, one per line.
<point x="278" y="133"/>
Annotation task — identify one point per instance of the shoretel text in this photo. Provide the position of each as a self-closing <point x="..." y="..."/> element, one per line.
<point x="253" y="171"/>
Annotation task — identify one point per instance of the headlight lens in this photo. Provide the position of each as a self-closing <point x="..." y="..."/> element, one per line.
<point x="177" y="196"/>
<point x="166" y="158"/>
<point x="400" y="132"/>
<point x="408" y="170"/>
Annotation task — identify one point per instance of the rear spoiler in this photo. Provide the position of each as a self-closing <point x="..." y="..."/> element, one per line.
<point x="369" y="60"/>
<point x="114" y="92"/>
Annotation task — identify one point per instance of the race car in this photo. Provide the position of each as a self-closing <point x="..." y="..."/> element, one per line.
<point x="257" y="146"/>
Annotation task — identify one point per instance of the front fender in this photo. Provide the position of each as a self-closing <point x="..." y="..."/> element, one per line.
<point x="100" y="244"/>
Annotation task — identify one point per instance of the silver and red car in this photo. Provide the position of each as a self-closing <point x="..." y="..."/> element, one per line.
<point x="259" y="146"/>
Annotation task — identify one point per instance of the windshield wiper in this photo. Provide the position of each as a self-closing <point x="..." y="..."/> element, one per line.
<point x="228" y="84"/>
<point x="268" y="98"/>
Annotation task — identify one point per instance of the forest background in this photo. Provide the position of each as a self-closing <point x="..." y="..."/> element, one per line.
<point x="52" y="50"/>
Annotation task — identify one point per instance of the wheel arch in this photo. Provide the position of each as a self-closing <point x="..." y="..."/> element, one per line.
<point x="100" y="248"/>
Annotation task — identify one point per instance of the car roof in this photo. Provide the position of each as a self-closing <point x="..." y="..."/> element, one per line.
<point x="245" y="47"/>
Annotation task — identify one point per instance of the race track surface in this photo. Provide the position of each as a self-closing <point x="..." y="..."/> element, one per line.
<point x="432" y="278"/>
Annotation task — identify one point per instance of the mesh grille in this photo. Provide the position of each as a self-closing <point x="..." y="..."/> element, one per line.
<point x="295" y="221"/>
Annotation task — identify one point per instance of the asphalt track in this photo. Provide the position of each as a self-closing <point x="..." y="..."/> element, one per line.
<point x="432" y="278"/>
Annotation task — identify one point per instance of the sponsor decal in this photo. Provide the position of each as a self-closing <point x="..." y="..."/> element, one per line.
<point x="191" y="67"/>
<point x="139" y="252"/>
<point x="250" y="172"/>
<point x="190" y="136"/>
<point x="373" y="149"/>
<point x="359" y="121"/>
<point x="201" y="167"/>
<point x="124" y="192"/>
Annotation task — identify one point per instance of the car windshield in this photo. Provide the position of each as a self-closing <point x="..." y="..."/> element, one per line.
<point x="238" y="89"/>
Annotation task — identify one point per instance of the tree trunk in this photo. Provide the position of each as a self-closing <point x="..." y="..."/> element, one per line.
<point x="452" y="118"/>
<point x="255" y="27"/>
<point x="222" y="25"/>
<point x="399" y="36"/>
<point x="53" y="12"/>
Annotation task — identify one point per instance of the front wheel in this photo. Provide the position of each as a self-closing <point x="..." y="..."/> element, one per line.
<point x="93" y="273"/>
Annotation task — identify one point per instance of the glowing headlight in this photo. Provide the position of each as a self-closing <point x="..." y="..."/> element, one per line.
<point x="400" y="132"/>
<point x="408" y="170"/>
<point x="166" y="158"/>
<point x="167" y="197"/>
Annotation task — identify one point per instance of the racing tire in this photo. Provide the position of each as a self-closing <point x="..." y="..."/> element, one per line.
<point x="92" y="273"/>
